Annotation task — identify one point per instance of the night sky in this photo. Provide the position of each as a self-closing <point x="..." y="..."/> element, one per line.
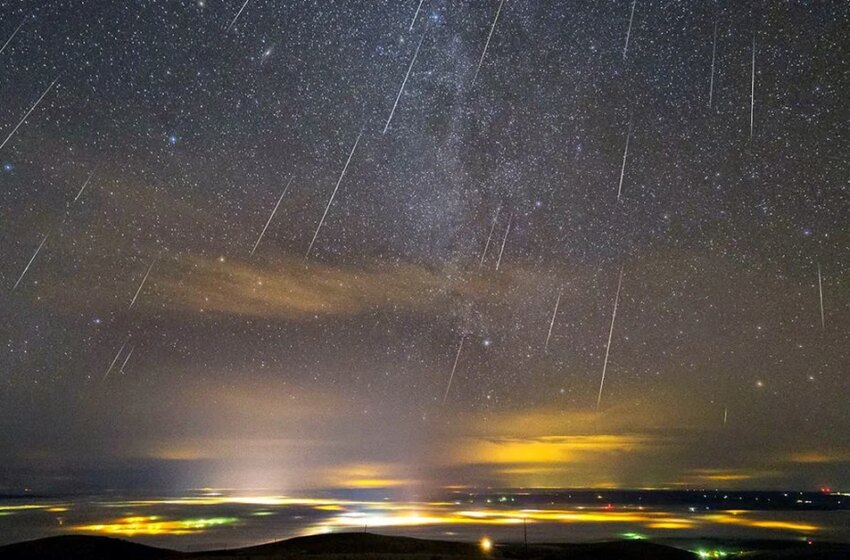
<point x="145" y="345"/>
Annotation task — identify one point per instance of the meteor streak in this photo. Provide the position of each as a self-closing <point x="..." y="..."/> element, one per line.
<point x="552" y="322"/>
<point x="419" y="7"/>
<point x="333" y="194"/>
<point x="625" y="155"/>
<point x="272" y="216"/>
<point x="489" y="237"/>
<point x="12" y="36"/>
<point x="629" y="31"/>
<point x="454" y="368"/>
<point x="610" y="334"/>
<point x="404" y="82"/>
<point x="820" y="292"/>
<point x="127" y="359"/>
<point x="239" y="13"/>
<point x="487" y="44"/>
<point x="504" y="240"/>
<point x="753" y="87"/>
<point x="142" y="285"/>
<point x="14" y="130"/>
<point x="713" y="56"/>
<point x="84" y="186"/>
<point x="21" y="277"/>
<point x="115" y="359"/>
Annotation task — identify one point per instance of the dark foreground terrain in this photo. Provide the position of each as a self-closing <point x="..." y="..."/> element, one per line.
<point x="366" y="546"/>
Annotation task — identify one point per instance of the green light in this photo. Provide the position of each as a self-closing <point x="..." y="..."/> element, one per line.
<point x="198" y="524"/>
<point x="633" y="536"/>
<point x="711" y="553"/>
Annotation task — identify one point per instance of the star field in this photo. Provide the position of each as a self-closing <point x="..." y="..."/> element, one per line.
<point x="145" y="324"/>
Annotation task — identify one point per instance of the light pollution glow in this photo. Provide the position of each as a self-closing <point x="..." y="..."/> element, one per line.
<point x="252" y="442"/>
<point x="346" y="514"/>
<point x="154" y="525"/>
<point x="539" y="448"/>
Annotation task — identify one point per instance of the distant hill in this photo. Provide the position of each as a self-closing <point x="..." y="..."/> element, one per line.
<point x="616" y="550"/>
<point x="81" y="547"/>
<point x="367" y="546"/>
<point x="351" y="544"/>
<point x="820" y="551"/>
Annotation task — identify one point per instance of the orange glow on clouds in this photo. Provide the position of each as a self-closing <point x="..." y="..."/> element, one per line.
<point x="366" y="475"/>
<point x="545" y="449"/>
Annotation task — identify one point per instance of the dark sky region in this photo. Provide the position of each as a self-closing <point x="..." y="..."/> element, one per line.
<point x="155" y="159"/>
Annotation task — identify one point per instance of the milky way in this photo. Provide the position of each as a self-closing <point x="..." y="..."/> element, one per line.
<point x="491" y="196"/>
